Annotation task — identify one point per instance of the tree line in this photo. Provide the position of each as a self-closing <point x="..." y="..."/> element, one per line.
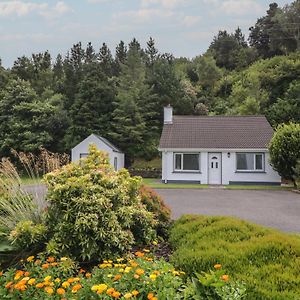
<point x="56" y="103"/>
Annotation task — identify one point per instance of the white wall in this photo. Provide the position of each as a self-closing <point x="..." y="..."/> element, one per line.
<point x="229" y="173"/>
<point x="83" y="147"/>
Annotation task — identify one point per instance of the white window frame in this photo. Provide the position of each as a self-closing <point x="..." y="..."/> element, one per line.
<point x="182" y="170"/>
<point x="262" y="154"/>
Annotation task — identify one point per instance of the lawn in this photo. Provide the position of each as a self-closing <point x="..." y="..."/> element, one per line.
<point x="157" y="184"/>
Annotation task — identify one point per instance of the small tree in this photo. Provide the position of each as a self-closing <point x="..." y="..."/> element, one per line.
<point x="285" y="150"/>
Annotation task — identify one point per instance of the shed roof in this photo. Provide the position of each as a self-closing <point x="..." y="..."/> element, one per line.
<point x="217" y="132"/>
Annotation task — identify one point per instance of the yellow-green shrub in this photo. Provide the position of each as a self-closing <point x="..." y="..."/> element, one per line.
<point x="95" y="212"/>
<point x="267" y="260"/>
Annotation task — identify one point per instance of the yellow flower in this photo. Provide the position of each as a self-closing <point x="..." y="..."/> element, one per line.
<point x="155" y="243"/>
<point x="47" y="278"/>
<point x="153" y="277"/>
<point x="100" y="288"/>
<point x="121" y="270"/>
<point x="127" y="269"/>
<point x="128" y="296"/>
<point x="65" y="284"/>
<point x="218" y="266"/>
<point x="49" y="290"/>
<point x="120" y="259"/>
<point x="31" y="281"/>
<point x="30" y="258"/>
<point x="63" y="258"/>
<point x="57" y="280"/>
<point x="146" y="250"/>
<point x="135" y="293"/>
<point x="60" y="291"/>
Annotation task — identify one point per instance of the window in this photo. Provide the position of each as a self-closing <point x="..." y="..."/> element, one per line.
<point x="250" y="162"/>
<point x="116" y="164"/>
<point x="83" y="155"/>
<point x="187" y="162"/>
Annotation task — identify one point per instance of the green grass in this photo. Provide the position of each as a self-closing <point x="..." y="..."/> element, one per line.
<point x="257" y="187"/>
<point x="155" y="183"/>
<point x="26" y="180"/>
<point x="144" y="164"/>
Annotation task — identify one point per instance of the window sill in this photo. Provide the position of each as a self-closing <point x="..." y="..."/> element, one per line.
<point x="263" y="172"/>
<point x="186" y="172"/>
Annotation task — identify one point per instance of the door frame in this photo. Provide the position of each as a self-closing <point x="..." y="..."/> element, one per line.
<point x="221" y="169"/>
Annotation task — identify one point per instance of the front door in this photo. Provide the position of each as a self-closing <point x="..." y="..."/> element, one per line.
<point x="214" y="168"/>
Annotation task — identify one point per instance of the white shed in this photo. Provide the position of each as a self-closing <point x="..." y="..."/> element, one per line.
<point x="81" y="150"/>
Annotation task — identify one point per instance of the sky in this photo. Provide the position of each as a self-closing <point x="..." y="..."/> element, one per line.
<point x="181" y="27"/>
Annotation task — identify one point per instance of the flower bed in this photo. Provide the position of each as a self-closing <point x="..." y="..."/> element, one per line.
<point x="139" y="277"/>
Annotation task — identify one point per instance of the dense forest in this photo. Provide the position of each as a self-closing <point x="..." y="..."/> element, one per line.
<point x="57" y="102"/>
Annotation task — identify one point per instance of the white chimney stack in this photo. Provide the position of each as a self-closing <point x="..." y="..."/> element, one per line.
<point x="168" y="114"/>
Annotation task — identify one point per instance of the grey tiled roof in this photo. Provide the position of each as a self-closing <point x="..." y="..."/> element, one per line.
<point x="229" y="132"/>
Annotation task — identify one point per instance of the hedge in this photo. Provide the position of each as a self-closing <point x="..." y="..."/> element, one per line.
<point x="266" y="260"/>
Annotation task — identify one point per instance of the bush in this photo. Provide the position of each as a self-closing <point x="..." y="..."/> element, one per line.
<point x="140" y="277"/>
<point x="94" y="211"/>
<point x="265" y="259"/>
<point x="285" y="150"/>
<point x="155" y="204"/>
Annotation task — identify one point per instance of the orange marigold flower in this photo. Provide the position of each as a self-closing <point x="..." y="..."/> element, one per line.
<point x="39" y="285"/>
<point x="139" y="254"/>
<point x="45" y="266"/>
<point x="9" y="284"/>
<point x="50" y="259"/>
<point x="1" y="273"/>
<point x="218" y="266"/>
<point x="139" y="271"/>
<point x="136" y="276"/>
<point x="60" y="291"/>
<point x="225" y="277"/>
<point x="135" y="293"/>
<point x="150" y="296"/>
<point x="88" y="275"/>
<point x="70" y="280"/>
<point x="117" y="277"/>
<point x="82" y="271"/>
<point x="116" y="295"/>
<point x="110" y="291"/>
<point x="26" y="273"/>
<point x="37" y="262"/>
<point x="76" y="288"/>
<point x="54" y="264"/>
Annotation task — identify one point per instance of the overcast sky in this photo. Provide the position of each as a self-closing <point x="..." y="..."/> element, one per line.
<point x="181" y="27"/>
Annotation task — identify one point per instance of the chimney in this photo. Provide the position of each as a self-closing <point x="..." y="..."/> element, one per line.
<point x="168" y="114"/>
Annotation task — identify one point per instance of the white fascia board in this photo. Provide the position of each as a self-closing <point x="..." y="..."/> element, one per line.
<point x="213" y="150"/>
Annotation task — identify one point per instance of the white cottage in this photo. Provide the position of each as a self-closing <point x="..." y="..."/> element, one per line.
<point x="116" y="157"/>
<point x="216" y="150"/>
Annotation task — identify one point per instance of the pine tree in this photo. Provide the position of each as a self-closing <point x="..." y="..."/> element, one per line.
<point x="106" y="60"/>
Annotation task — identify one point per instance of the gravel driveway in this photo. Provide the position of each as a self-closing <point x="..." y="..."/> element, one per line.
<point x="278" y="209"/>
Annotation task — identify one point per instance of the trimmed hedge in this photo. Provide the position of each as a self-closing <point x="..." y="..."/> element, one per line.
<point x="267" y="260"/>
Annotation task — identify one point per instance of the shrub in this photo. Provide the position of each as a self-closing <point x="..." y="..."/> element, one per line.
<point x="265" y="259"/>
<point x="140" y="277"/>
<point x="155" y="204"/>
<point x="94" y="211"/>
<point x="285" y="150"/>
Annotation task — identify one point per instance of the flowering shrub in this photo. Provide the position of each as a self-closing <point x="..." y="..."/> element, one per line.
<point x="139" y="277"/>
<point x="94" y="211"/>
<point x="155" y="204"/>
